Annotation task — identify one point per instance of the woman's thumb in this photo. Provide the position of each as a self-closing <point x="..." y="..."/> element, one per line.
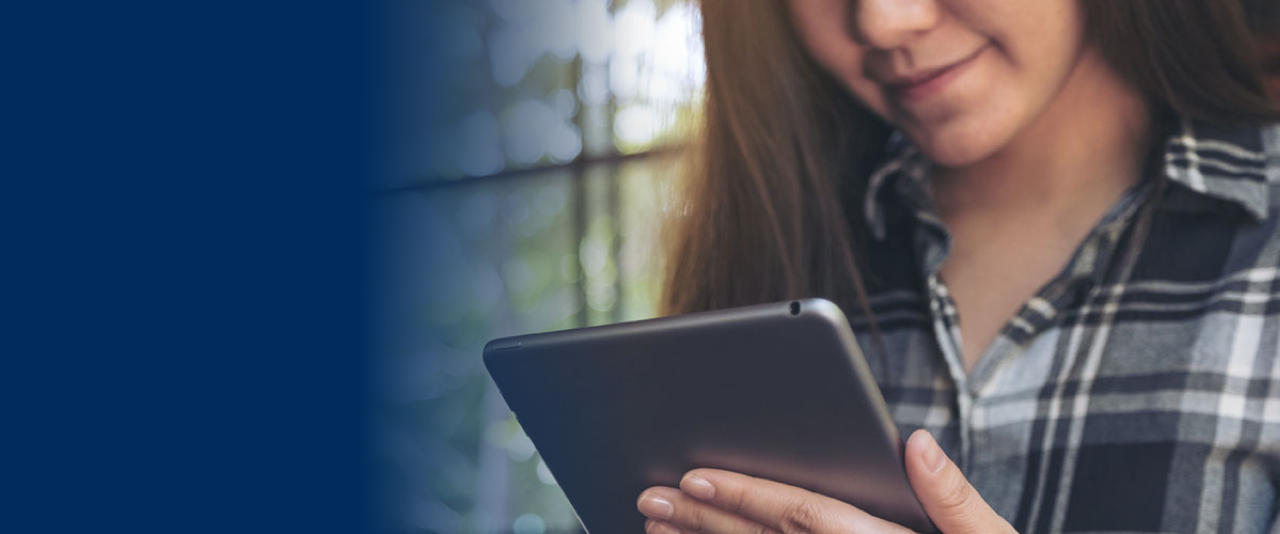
<point x="951" y="502"/>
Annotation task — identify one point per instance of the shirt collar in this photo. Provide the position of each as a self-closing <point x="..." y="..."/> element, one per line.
<point x="1235" y="164"/>
<point x="901" y="159"/>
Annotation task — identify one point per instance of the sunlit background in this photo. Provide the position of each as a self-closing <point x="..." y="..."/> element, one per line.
<point x="532" y="201"/>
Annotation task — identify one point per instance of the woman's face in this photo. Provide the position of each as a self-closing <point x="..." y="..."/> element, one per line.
<point x="960" y="77"/>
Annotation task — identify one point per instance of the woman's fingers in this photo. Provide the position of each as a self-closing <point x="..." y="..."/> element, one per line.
<point x="721" y="499"/>
<point x="653" y="526"/>
<point x="669" y="507"/>
<point x="712" y="501"/>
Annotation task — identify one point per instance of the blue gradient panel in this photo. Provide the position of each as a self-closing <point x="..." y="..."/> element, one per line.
<point x="185" y="266"/>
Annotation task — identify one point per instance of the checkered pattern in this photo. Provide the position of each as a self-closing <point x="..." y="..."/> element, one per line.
<point x="1146" y="401"/>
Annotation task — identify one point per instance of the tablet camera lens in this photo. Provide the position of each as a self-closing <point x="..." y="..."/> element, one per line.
<point x="795" y="308"/>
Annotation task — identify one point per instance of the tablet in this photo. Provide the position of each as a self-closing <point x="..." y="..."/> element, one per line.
<point x="778" y="391"/>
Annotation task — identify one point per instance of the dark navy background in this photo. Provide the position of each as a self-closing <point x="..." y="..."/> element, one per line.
<point x="182" y="265"/>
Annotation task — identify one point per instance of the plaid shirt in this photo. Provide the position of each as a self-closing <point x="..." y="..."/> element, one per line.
<point x="1140" y="403"/>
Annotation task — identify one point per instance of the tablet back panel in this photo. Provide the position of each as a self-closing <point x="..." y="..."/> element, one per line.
<point x="778" y="391"/>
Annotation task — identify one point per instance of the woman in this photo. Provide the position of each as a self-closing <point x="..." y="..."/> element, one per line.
<point x="1054" y="225"/>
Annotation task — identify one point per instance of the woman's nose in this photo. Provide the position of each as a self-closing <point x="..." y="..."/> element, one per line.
<point x="888" y="24"/>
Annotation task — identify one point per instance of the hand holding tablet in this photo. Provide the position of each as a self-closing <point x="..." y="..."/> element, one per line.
<point x="722" y="502"/>
<point x="778" y="392"/>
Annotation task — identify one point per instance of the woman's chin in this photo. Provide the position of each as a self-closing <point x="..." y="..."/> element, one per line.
<point x="963" y="141"/>
<point x="957" y="153"/>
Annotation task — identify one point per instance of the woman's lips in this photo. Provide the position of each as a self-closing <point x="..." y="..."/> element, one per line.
<point x="916" y="86"/>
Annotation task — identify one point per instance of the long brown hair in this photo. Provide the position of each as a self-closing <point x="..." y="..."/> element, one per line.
<point x="779" y="171"/>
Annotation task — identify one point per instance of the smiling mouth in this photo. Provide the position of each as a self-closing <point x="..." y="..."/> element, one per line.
<point x="925" y="83"/>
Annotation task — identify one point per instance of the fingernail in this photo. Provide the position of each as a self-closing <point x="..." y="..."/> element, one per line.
<point x="656" y="507"/>
<point x="698" y="487"/>
<point x="934" y="458"/>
